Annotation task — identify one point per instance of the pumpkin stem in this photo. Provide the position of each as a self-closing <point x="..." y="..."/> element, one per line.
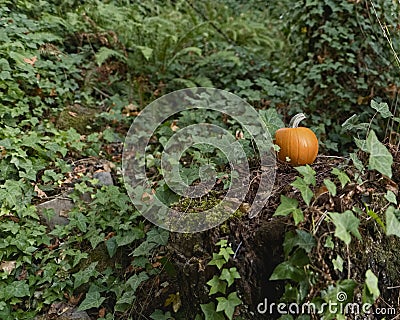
<point x="294" y="123"/>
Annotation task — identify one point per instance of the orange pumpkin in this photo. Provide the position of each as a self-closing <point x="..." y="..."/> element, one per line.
<point x="299" y="144"/>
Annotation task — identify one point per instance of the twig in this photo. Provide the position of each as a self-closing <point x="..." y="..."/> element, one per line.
<point x="102" y="92"/>
<point x="237" y="249"/>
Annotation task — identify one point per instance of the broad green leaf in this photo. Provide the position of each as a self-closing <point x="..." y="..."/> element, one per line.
<point x="308" y="174"/>
<point x="286" y="207"/>
<point x="371" y="285"/>
<point x="343" y="292"/>
<point x="229" y="275"/>
<point x="11" y="192"/>
<point x="356" y="162"/>
<point x="382" y="108"/>
<point x="216" y="285"/>
<point x="93" y="299"/>
<point x="228" y="305"/>
<point x="79" y="220"/>
<point x="160" y="315"/>
<point x="78" y="256"/>
<point x="210" y="312"/>
<point x="346" y="223"/>
<point x="392" y="221"/>
<point x="83" y="276"/>
<point x="391" y="197"/>
<point x="304" y="240"/>
<point x="112" y="246"/>
<point x="380" y="158"/>
<point x="330" y="186"/>
<point x="304" y="189"/>
<point x="342" y="176"/>
<point x="361" y="144"/>
<point x="20" y="289"/>
<point x="338" y="263"/>
<point x="298" y="216"/>
<point x="329" y="243"/>
<point x="287" y="271"/>
<point x="272" y="120"/>
<point x="123" y="303"/>
<point x="144" y="249"/>
<point x="226" y="252"/>
<point x="95" y="239"/>
<point x="135" y="281"/>
<point x="217" y="260"/>
<point x="158" y="236"/>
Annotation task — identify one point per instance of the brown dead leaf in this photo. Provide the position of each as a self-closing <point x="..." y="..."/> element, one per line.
<point x="30" y="61"/>
<point x="175" y="300"/>
<point x="8" y="266"/>
<point x="41" y="194"/>
<point x="320" y="191"/>
<point x="102" y="312"/>
<point x="173" y="126"/>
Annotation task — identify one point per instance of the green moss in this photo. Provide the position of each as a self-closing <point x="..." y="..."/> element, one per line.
<point x="78" y="117"/>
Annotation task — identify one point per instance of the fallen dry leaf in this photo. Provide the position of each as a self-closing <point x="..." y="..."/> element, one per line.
<point x="30" y="61"/>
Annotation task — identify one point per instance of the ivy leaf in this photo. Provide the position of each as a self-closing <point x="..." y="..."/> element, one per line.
<point x="229" y="275"/>
<point x="159" y="315"/>
<point x="371" y="289"/>
<point x="287" y="271"/>
<point x="382" y="108"/>
<point x="338" y="263"/>
<point x="20" y="289"/>
<point x="287" y="206"/>
<point x="298" y="216"/>
<point x="271" y="119"/>
<point x="304" y="240"/>
<point x="217" y="260"/>
<point x="216" y="285"/>
<point x="330" y="186"/>
<point x="92" y="300"/>
<point x="210" y="313"/>
<point x="112" y="246"/>
<point x="144" y="249"/>
<point x="226" y="253"/>
<point x="158" y="236"/>
<point x="342" y="176"/>
<point x="380" y="158"/>
<point x="345" y="223"/>
<point x="329" y="243"/>
<point x="391" y="197"/>
<point x="392" y="222"/>
<point x="304" y="189"/>
<point x="228" y="304"/>
<point x="135" y="281"/>
<point x="83" y="276"/>
<point x="308" y="174"/>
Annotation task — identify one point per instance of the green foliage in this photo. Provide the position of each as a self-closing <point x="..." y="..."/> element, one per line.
<point x="346" y="223"/>
<point x="371" y="290"/>
<point x="340" y="60"/>
<point x="289" y="206"/>
<point x="114" y="58"/>
<point x="218" y="284"/>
